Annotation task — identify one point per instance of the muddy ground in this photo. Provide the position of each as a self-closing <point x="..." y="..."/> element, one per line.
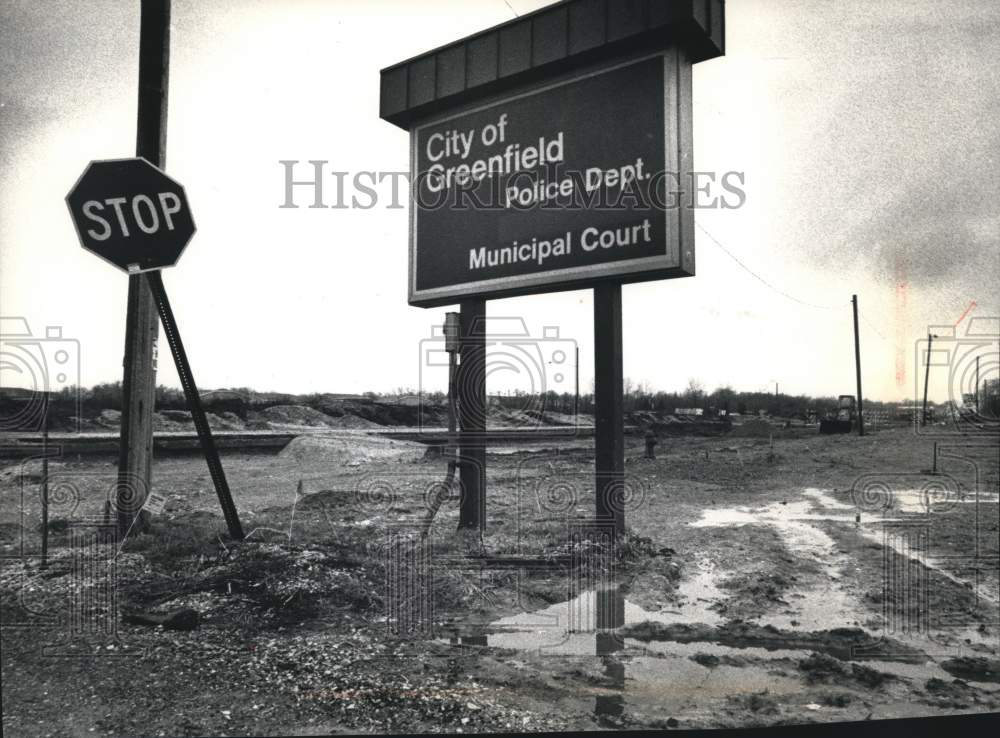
<point x="818" y="579"/>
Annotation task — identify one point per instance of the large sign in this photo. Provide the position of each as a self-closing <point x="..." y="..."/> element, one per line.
<point x="555" y="188"/>
<point x="130" y="213"/>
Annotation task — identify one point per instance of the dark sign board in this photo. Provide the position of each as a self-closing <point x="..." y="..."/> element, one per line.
<point x="131" y="214"/>
<point x="554" y="188"/>
<point x="554" y="152"/>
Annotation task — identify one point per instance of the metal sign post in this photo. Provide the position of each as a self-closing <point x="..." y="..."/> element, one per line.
<point x="453" y="345"/>
<point x="609" y="415"/>
<point x="45" y="479"/>
<point x="194" y="402"/>
<point x="472" y="415"/>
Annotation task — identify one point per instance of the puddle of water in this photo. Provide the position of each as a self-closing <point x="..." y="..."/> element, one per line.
<point x="929" y="500"/>
<point x="825" y="499"/>
<point x="657" y="678"/>
<point x="675" y="648"/>
<point x="568" y="627"/>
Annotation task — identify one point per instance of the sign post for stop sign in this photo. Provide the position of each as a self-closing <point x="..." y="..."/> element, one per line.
<point x="131" y="214"/>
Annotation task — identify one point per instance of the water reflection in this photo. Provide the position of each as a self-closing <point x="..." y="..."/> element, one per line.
<point x="610" y="616"/>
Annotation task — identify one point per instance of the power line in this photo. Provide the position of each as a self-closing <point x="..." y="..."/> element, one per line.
<point x="879" y="333"/>
<point x="761" y="279"/>
<point x="872" y="326"/>
<point x="505" y="2"/>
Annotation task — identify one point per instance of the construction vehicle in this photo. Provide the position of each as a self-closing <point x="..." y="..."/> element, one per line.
<point x="842" y="421"/>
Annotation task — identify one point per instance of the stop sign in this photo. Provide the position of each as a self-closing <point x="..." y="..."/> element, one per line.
<point x="130" y="213"/>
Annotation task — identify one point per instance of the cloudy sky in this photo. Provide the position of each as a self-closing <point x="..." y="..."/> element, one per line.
<point x="866" y="131"/>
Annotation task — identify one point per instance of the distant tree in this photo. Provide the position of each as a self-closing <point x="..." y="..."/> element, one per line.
<point x="106" y="396"/>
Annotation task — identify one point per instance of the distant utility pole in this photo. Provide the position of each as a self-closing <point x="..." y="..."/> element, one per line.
<point x="142" y="326"/>
<point x="857" y="366"/>
<point x="977" y="385"/>
<point x="927" y="376"/>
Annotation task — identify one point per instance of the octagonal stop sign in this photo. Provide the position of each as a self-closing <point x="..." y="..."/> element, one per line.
<point x="130" y="213"/>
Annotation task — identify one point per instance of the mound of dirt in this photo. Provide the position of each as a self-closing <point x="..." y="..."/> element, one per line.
<point x="166" y="420"/>
<point x="954" y="695"/>
<point x="820" y="667"/>
<point x="295" y="415"/>
<point x="973" y="668"/>
<point x="352" y="421"/>
<point x="755" y="428"/>
<point x="109" y="418"/>
<point x="710" y="661"/>
<point x="405" y="411"/>
<point x="354" y="449"/>
<point x="841" y="643"/>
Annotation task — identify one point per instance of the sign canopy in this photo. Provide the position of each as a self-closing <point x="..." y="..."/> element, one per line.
<point x="554" y="152"/>
<point x="130" y="213"/>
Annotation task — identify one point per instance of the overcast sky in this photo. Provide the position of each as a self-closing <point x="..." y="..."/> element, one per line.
<point x="867" y="133"/>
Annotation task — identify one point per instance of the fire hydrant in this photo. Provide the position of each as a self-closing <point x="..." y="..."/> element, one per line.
<point x="651" y="444"/>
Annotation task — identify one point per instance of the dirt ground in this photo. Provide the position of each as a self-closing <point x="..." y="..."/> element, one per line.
<point x="815" y="579"/>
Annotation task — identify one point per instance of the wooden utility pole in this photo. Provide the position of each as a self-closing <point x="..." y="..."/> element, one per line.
<point x="927" y="376"/>
<point x="857" y="366"/>
<point x="609" y="410"/>
<point x="472" y="415"/>
<point x="142" y="327"/>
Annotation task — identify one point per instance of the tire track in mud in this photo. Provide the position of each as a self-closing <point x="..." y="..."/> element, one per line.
<point x="825" y="603"/>
<point x="828" y="603"/>
<point x="899" y="545"/>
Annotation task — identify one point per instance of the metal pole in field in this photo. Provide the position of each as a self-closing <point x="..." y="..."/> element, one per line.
<point x="142" y="328"/>
<point x="194" y="403"/>
<point x="576" y="397"/>
<point x="857" y="366"/>
<point x="927" y="376"/>
<point x="452" y="334"/>
<point x="609" y="419"/>
<point x="472" y="414"/>
<point x="45" y="482"/>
